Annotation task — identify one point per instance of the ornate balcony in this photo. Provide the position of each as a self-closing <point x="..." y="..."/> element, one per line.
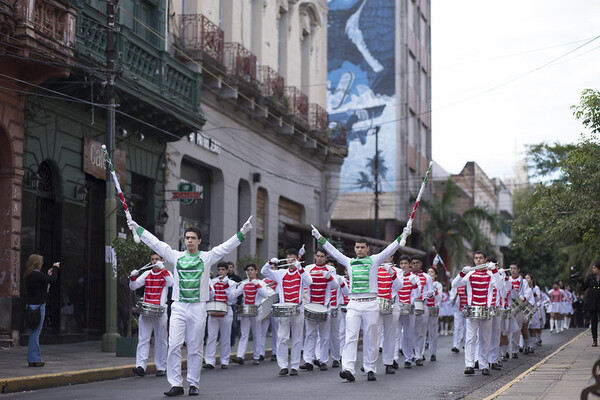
<point x="200" y="36"/>
<point x="272" y="83"/>
<point x="240" y="61"/>
<point x="297" y="102"/>
<point x="318" y="118"/>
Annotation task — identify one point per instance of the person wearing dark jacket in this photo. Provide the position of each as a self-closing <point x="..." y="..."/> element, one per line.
<point x="36" y="284"/>
<point x="591" y="299"/>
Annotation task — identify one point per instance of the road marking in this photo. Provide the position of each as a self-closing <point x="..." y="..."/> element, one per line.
<point x="518" y="378"/>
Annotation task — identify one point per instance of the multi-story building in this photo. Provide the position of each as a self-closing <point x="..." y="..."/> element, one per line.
<point x="379" y="99"/>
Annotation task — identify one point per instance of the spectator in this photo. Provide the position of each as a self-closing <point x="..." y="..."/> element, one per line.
<point x="591" y="300"/>
<point x="235" y="324"/>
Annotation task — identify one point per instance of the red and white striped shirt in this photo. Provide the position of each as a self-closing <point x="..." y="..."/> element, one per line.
<point x="430" y="302"/>
<point x="155" y="284"/>
<point x="318" y="290"/>
<point x="219" y="293"/>
<point x="385" y="282"/>
<point x="461" y="291"/>
<point x="250" y="290"/>
<point x="271" y="283"/>
<point x="291" y="287"/>
<point x="480" y="288"/>
<point x="405" y="294"/>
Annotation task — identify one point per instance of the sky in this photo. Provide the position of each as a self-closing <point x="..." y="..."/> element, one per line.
<point x="505" y="74"/>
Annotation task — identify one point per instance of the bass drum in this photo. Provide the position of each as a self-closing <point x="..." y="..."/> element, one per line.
<point x="315" y="312"/>
<point x="216" y="308"/>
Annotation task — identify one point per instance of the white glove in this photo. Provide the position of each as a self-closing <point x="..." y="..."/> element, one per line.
<point x="491" y="266"/>
<point x="224" y="280"/>
<point x="502" y="274"/>
<point x="414" y="279"/>
<point x="133" y="226"/>
<point x="255" y="282"/>
<point x="406" y="231"/>
<point x="341" y="280"/>
<point x="327" y="275"/>
<point x="389" y="268"/>
<point x="135" y="272"/>
<point x="315" y="232"/>
<point x="302" y="251"/>
<point x="274" y="261"/>
<point x="247" y="226"/>
<point x="160" y="264"/>
<point x="429" y="293"/>
<point x="295" y="265"/>
<point x="466" y="270"/>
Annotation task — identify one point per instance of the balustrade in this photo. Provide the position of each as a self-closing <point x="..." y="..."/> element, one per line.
<point x="199" y="33"/>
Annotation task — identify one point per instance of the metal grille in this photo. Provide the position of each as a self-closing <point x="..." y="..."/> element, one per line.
<point x="298" y="102"/>
<point x="318" y="118"/>
<point x="240" y="61"/>
<point x="199" y="33"/>
<point x="272" y="83"/>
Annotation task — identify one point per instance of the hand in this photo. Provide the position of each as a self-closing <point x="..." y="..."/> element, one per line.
<point x="255" y="282"/>
<point x="491" y="266"/>
<point x="389" y="268"/>
<point x="160" y="264"/>
<point x="315" y="232"/>
<point x="414" y="279"/>
<point x="327" y="275"/>
<point x="56" y="264"/>
<point x="429" y="293"/>
<point x="341" y="280"/>
<point x="466" y="270"/>
<point x="295" y="265"/>
<point x="135" y="272"/>
<point x="133" y="226"/>
<point x="406" y="231"/>
<point x="247" y="226"/>
<point x="274" y="261"/>
<point x="302" y="251"/>
<point x="224" y="279"/>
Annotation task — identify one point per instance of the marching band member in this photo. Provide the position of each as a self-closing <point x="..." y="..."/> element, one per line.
<point x="362" y="307"/>
<point x="556" y="296"/>
<point x="499" y="292"/>
<point x="479" y="284"/>
<point x="273" y="322"/>
<point x="458" y="297"/>
<point x="427" y="291"/>
<point x="387" y="285"/>
<point x="337" y="298"/>
<point x="222" y="290"/>
<point x="407" y="292"/>
<point x="520" y="290"/>
<point x="446" y="312"/>
<point x="343" y="301"/>
<point x="535" y="321"/>
<point x="290" y="287"/>
<point x="568" y="306"/>
<point x="433" y="320"/>
<point x="190" y="293"/>
<point x="156" y="281"/>
<point x="253" y="292"/>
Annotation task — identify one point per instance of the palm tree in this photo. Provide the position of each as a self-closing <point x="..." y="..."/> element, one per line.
<point x="449" y="230"/>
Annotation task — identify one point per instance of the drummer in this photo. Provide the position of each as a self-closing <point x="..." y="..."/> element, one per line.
<point x="409" y="290"/>
<point x="290" y="287"/>
<point x="520" y="290"/>
<point x="479" y="284"/>
<point x="254" y="292"/>
<point x="156" y="281"/>
<point x="388" y="283"/>
<point x="427" y="291"/>
<point x="338" y="320"/>
<point x="433" y="306"/>
<point x="271" y="322"/>
<point x="221" y="291"/>
<point x="362" y="307"/>
<point x="324" y="279"/>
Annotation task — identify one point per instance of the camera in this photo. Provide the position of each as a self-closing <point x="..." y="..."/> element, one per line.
<point x="575" y="273"/>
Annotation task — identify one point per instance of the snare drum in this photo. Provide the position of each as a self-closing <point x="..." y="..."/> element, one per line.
<point x="476" y="312"/>
<point x="494" y="311"/>
<point x="248" y="310"/>
<point x="405" y="308"/>
<point x="149" y="309"/>
<point x="434" y="311"/>
<point x="419" y="307"/>
<point x="216" y="308"/>
<point x="516" y="306"/>
<point x="285" y="309"/>
<point x="267" y="303"/>
<point x="385" y="305"/>
<point x="333" y="312"/>
<point x="505" y="313"/>
<point x="315" y="312"/>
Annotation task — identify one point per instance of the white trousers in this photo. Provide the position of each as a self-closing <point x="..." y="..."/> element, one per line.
<point x="388" y="325"/>
<point x="367" y="313"/>
<point x="313" y="328"/>
<point x="335" y="348"/>
<point x="432" y="334"/>
<point x="495" y="340"/>
<point x="515" y="336"/>
<point x="420" y="333"/>
<point x="342" y="331"/>
<point x="187" y="323"/>
<point x="459" y="328"/>
<point x="295" y="327"/>
<point x="216" y="325"/>
<point x="405" y="337"/>
<point x="483" y="327"/>
<point x="147" y="325"/>
<point x="246" y="324"/>
<point x="273" y="322"/>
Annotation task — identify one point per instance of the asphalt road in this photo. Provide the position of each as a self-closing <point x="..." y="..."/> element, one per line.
<point x="443" y="379"/>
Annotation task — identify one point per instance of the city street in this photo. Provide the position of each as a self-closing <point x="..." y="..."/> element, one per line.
<point x="443" y="379"/>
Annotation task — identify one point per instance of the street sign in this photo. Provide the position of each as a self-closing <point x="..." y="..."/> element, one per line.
<point x="186" y="194"/>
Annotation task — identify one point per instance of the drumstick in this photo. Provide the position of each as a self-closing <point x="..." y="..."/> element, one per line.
<point x="286" y="265"/>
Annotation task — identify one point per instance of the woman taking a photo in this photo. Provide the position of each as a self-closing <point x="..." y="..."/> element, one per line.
<point x="36" y="284"/>
<point x="591" y="300"/>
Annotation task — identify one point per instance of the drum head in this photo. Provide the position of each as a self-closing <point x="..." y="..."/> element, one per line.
<point x="318" y="308"/>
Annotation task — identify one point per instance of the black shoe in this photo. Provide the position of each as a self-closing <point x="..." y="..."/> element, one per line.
<point x="238" y="360"/>
<point x="345" y="374"/>
<point x="401" y="352"/>
<point x="380" y="350"/>
<point x="261" y="358"/>
<point x="485" y="371"/>
<point x="323" y="367"/>
<point x="469" y="371"/>
<point x="395" y="364"/>
<point x="520" y="349"/>
<point x="335" y="364"/>
<point x="139" y="371"/>
<point x="433" y="357"/>
<point x="419" y="362"/>
<point x="293" y="372"/>
<point x="307" y="366"/>
<point x="193" y="391"/>
<point x="507" y="356"/>
<point x="160" y="372"/>
<point x="423" y="358"/>
<point x="595" y="343"/>
<point x="273" y="357"/>
<point x="476" y="365"/>
<point x="224" y="366"/>
<point x="208" y="366"/>
<point x="514" y="355"/>
<point x="526" y="351"/>
<point x="454" y="350"/>
<point x="531" y="350"/>
<point x="499" y="363"/>
<point x="362" y="369"/>
<point x="407" y="365"/>
<point x="255" y="362"/>
<point x="504" y="358"/>
<point x="389" y="369"/>
<point x="371" y="376"/>
<point x="316" y="362"/>
<point x="283" y="372"/>
<point x="174" y="391"/>
<point x="496" y="367"/>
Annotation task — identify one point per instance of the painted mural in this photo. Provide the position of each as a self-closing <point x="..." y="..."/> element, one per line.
<point x="361" y="89"/>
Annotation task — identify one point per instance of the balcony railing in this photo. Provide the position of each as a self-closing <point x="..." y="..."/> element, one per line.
<point x="54" y="22"/>
<point x="298" y="102"/>
<point x="240" y="61"/>
<point x="199" y="33"/>
<point x="272" y="83"/>
<point x="318" y="118"/>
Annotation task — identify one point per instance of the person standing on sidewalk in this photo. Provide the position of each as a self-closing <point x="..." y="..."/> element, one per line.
<point x="155" y="282"/>
<point x="36" y="284"/>
<point x="190" y="294"/>
<point x="591" y="299"/>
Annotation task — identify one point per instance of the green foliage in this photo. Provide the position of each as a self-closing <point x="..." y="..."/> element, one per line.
<point x="130" y="255"/>
<point x="249" y="259"/>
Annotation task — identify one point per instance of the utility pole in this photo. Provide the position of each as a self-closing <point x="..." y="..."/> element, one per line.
<point x="377" y="182"/>
<point x="109" y="339"/>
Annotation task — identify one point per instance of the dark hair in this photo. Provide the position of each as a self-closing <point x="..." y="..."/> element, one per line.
<point x="515" y="263"/>
<point x="480" y="252"/>
<point x="194" y="229"/>
<point x="291" y="251"/>
<point x="153" y="253"/>
<point x="492" y="259"/>
<point x="362" y="240"/>
<point x="416" y="257"/>
<point x="555" y="283"/>
<point x="250" y="265"/>
<point x="403" y="257"/>
<point x="434" y="269"/>
<point x="223" y="264"/>
<point x="320" y="249"/>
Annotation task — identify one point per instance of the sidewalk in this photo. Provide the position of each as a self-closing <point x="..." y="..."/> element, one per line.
<point x="561" y="375"/>
<point x="69" y="364"/>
